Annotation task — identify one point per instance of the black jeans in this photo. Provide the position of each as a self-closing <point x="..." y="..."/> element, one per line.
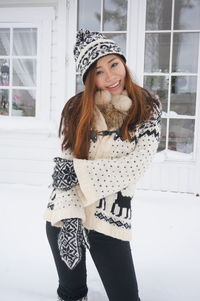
<point x="113" y="260"/>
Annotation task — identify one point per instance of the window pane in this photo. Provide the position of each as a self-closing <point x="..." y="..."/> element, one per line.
<point x="185" y="52"/>
<point x="79" y="84"/>
<point x="157" y="49"/>
<point x="159" y="85"/>
<point x="25" y="41"/>
<point x="4" y="73"/>
<point x="115" y="15"/>
<point x="183" y="95"/>
<point x="181" y="135"/>
<point x="24" y="72"/>
<point x="89" y="14"/>
<point x="162" y="144"/>
<point x="187" y="14"/>
<point x="119" y="38"/>
<point x="4" y="41"/>
<point x="23" y="103"/>
<point x="158" y="14"/>
<point x="4" y="102"/>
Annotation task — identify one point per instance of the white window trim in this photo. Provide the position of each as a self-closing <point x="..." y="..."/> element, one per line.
<point x="27" y="14"/>
<point x="136" y="48"/>
<point x="70" y="42"/>
<point x="40" y="17"/>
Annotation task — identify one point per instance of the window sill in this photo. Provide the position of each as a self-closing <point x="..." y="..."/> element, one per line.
<point x="28" y="125"/>
<point x="173" y="156"/>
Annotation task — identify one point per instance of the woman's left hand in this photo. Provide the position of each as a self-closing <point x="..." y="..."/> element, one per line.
<point x="64" y="176"/>
<point x="71" y="239"/>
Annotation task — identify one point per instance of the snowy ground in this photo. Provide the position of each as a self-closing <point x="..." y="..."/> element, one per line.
<point x="166" y="247"/>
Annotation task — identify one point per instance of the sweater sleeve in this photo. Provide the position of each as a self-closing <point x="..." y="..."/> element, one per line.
<point x="102" y="177"/>
<point x="64" y="204"/>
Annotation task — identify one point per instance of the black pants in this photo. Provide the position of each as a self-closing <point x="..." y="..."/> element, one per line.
<point x="113" y="261"/>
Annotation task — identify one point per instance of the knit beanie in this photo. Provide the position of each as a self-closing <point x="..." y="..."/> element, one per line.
<point x="89" y="47"/>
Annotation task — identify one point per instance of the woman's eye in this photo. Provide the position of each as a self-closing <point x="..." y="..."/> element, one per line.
<point x="99" y="72"/>
<point x="114" y="65"/>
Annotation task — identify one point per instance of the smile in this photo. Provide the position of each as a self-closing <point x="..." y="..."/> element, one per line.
<point x="114" y="85"/>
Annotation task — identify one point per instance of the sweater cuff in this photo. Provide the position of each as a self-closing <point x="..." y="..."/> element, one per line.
<point x="55" y="217"/>
<point x="85" y="183"/>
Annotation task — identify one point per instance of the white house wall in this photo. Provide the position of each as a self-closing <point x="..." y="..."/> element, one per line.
<point x="58" y="61"/>
<point x="26" y="153"/>
<point x="170" y="177"/>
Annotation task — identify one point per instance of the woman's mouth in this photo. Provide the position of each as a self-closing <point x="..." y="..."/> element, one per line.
<point x="114" y="86"/>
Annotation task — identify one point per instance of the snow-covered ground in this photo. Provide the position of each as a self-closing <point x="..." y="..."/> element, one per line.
<point x="165" y="246"/>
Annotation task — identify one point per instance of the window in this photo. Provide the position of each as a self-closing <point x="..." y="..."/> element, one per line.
<point x="18" y="70"/>
<point x="106" y="16"/>
<point x="25" y="66"/>
<point x="170" y="67"/>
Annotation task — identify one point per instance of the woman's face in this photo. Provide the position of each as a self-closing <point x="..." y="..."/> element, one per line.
<point x="110" y="74"/>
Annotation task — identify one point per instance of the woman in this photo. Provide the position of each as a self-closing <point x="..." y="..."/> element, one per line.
<point x="110" y="134"/>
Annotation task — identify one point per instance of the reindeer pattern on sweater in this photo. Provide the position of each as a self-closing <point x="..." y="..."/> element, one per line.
<point x="107" y="180"/>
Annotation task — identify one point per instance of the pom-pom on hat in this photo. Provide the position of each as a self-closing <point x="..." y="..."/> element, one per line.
<point x="89" y="47"/>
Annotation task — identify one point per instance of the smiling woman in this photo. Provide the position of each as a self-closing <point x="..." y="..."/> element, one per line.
<point x="110" y="133"/>
<point x="110" y="74"/>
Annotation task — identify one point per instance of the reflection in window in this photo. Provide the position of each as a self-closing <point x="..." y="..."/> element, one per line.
<point x="181" y="135"/>
<point x="4" y="41"/>
<point x="158" y="16"/>
<point x="119" y="38"/>
<point x="159" y="85"/>
<point x="185" y="52"/>
<point x="25" y="41"/>
<point x="89" y="14"/>
<point x="24" y="72"/>
<point x="162" y="144"/>
<point x="79" y="84"/>
<point x="4" y="102"/>
<point x="183" y="95"/>
<point x="4" y="73"/>
<point x="18" y="102"/>
<point x="115" y="15"/>
<point x="187" y="14"/>
<point x="157" y="49"/>
<point x="23" y="103"/>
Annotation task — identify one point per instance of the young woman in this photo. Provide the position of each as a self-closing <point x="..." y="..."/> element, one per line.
<point x="110" y="133"/>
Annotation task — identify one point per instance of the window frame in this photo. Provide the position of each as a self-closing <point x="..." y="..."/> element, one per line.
<point x="135" y="47"/>
<point x="136" y="62"/>
<point x="40" y="18"/>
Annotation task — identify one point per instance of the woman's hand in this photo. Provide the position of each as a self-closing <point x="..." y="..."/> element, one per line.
<point x="71" y="239"/>
<point x="64" y="176"/>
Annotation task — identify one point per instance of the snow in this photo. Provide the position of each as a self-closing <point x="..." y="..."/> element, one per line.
<point x="173" y="114"/>
<point x="165" y="247"/>
<point x="168" y="154"/>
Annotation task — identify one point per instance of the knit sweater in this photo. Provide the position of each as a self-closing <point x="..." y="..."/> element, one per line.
<point x="107" y="180"/>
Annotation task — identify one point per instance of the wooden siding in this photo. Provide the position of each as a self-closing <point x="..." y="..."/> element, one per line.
<point x="26" y="155"/>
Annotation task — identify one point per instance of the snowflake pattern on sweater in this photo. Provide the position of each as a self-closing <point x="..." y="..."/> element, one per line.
<point x="107" y="180"/>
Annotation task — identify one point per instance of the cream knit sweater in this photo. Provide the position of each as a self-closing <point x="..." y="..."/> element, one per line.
<point x="107" y="180"/>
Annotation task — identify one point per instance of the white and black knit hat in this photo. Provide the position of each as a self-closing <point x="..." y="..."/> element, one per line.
<point x="89" y="47"/>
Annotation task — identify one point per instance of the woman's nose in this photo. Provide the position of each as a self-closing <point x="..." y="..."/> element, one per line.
<point x="108" y="76"/>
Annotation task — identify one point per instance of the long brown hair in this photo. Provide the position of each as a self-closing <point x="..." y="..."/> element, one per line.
<point x="77" y="114"/>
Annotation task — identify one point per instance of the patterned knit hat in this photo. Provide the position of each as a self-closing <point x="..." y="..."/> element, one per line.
<point x="89" y="47"/>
